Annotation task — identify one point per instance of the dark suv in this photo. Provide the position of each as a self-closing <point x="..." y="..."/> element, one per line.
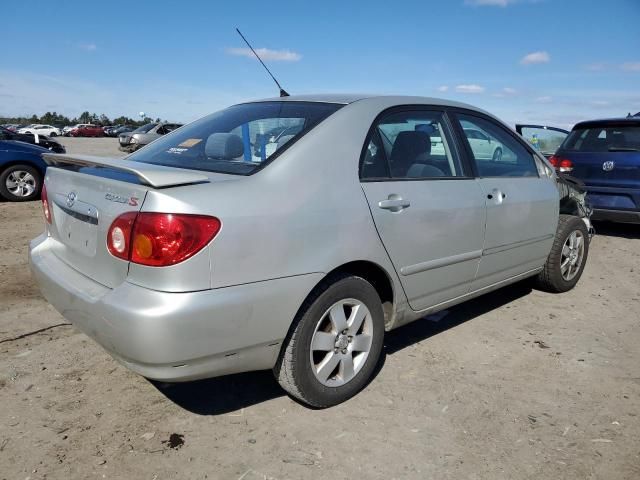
<point x="605" y="155"/>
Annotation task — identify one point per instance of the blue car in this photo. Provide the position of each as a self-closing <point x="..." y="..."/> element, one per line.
<point x="605" y="155"/>
<point x="21" y="170"/>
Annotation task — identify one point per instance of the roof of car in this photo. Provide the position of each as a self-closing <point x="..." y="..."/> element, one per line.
<point x="346" y="98"/>
<point x="613" y="122"/>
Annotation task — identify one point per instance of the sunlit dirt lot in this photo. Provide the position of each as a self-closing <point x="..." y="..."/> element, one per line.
<point x="517" y="384"/>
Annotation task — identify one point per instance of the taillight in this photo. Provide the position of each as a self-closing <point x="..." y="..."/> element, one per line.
<point x="45" y="204"/>
<point x="119" y="235"/>
<point x="561" y="164"/>
<point x="160" y="239"/>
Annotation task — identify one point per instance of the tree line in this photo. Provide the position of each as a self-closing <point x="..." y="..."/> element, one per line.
<point x="56" y="119"/>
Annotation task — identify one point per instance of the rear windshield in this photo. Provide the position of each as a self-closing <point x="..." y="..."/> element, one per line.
<point x="145" y="128"/>
<point x="604" y="138"/>
<point x="237" y="140"/>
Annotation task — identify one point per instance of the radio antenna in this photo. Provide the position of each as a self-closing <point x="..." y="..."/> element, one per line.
<point x="283" y="92"/>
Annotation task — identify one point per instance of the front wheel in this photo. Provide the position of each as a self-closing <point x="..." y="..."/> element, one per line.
<point x="53" y="134"/>
<point x="20" y="183"/>
<point x="334" y="344"/>
<point x="568" y="256"/>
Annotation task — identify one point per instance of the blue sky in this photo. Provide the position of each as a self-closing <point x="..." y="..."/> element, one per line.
<point x="546" y="61"/>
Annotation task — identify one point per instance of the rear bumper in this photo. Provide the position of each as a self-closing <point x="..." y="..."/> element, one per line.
<point x="614" y="204"/>
<point x="620" y="216"/>
<point x="175" y="336"/>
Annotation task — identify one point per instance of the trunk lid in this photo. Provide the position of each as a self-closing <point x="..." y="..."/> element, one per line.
<point x="86" y="194"/>
<point x="610" y="169"/>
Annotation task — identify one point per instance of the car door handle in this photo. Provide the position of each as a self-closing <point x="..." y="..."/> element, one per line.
<point x="394" y="203"/>
<point x="497" y="196"/>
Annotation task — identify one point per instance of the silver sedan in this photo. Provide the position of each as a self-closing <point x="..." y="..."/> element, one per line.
<point x="292" y="233"/>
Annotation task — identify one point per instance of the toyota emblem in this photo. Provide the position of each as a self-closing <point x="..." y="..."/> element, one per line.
<point x="608" y="166"/>
<point x="71" y="199"/>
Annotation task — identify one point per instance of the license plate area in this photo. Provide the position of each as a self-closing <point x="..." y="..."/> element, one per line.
<point x="77" y="226"/>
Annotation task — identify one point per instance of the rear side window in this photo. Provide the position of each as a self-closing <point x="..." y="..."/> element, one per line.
<point x="238" y="140"/>
<point x="603" y="138"/>
<point x="496" y="152"/>
<point x="410" y="145"/>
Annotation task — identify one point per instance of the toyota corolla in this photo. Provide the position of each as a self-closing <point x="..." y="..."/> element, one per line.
<point x="292" y="233"/>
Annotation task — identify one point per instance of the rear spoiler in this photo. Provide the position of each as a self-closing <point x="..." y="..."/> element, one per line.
<point x="156" y="176"/>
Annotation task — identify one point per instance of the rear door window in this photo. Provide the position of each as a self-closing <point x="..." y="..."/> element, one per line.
<point x="410" y="145"/>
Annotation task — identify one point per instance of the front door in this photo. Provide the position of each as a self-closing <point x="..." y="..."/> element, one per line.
<point x="428" y="210"/>
<point x="543" y="138"/>
<point x="522" y="205"/>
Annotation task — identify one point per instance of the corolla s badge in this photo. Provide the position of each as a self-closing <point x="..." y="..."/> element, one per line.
<point x="112" y="197"/>
<point x="608" y="166"/>
<point x="71" y="198"/>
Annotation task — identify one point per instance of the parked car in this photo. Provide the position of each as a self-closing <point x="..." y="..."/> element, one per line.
<point x="132" y="141"/>
<point x="87" y="131"/>
<point x="203" y="257"/>
<point x="46" y="130"/>
<point x="544" y="138"/>
<point x="22" y="170"/>
<point x="116" y="131"/>
<point x="605" y="155"/>
<point x="67" y="131"/>
<point x="45" y="142"/>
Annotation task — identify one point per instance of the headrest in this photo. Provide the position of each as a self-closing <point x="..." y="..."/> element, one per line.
<point x="425" y="127"/>
<point x="224" y="146"/>
<point x="411" y="144"/>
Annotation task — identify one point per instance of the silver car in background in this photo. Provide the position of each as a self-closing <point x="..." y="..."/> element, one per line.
<point x="291" y="233"/>
<point x="131" y="141"/>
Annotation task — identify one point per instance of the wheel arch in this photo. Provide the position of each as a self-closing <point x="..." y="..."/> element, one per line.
<point x="373" y="273"/>
<point x="19" y="161"/>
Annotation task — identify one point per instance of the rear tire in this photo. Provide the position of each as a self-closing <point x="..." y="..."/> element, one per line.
<point x="53" y="134"/>
<point x="567" y="258"/>
<point x="334" y="344"/>
<point x="20" y="183"/>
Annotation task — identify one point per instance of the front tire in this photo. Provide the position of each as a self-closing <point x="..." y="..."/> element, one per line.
<point x="20" y="183"/>
<point x="568" y="256"/>
<point x="334" y="343"/>
<point x="53" y="134"/>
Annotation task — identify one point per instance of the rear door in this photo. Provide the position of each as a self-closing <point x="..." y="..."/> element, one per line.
<point x="543" y="138"/>
<point x="522" y="207"/>
<point x="428" y="210"/>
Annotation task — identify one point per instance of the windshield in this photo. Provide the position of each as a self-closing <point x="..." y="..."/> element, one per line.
<point x="604" y="138"/>
<point x="237" y="140"/>
<point x="145" y="128"/>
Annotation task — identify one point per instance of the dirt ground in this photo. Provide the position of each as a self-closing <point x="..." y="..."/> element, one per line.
<point x="517" y="384"/>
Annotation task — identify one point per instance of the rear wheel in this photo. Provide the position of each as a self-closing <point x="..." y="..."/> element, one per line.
<point x="53" y="134"/>
<point x="20" y="183"/>
<point x="568" y="256"/>
<point x="334" y="344"/>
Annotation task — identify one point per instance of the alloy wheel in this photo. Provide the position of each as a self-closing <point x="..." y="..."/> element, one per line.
<point x="21" y="183"/>
<point x="572" y="255"/>
<point x="341" y="342"/>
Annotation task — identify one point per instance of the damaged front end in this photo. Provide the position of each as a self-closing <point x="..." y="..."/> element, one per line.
<point x="573" y="199"/>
